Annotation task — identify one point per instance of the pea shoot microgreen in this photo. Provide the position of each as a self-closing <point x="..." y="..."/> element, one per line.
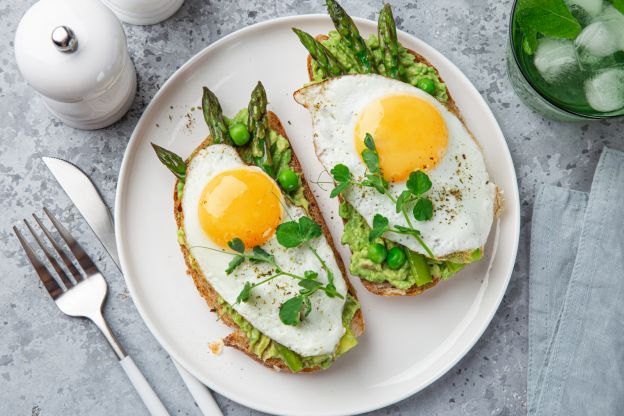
<point x="290" y="234"/>
<point x="380" y="226"/>
<point x="257" y="255"/>
<point x="294" y="233"/>
<point x="418" y="184"/>
<point x="423" y="209"/>
<point x="234" y="263"/>
<point x="245" y="294"/>
<point x="295" y="309"/>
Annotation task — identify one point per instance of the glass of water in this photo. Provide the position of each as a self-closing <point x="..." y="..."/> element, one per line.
<point x="577" y="75"/>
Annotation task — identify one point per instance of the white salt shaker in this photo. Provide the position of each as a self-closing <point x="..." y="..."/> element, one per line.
<point x="74" y="53"/>
<point x="143" y="12"/>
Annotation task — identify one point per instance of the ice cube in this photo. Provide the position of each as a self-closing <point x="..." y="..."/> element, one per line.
<point x="611" y="14"/>
<point x="597" y="45"/>
<point x="554" y="59"/>
<point x="585" y="10"/>
<point x="592" y="7"/>
<point x="599" y="39"/>
<point x="605" y="91"/>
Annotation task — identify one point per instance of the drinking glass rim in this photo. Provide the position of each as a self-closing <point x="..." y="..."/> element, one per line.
<point x="532" y="84"/>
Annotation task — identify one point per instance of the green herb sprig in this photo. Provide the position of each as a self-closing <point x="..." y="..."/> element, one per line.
<point x="374" y="179"/>
<point x="417" y="184"/>
<point x="290" y="234"/>
<point x="296" y="233"/>
<point x="258" y="255"/>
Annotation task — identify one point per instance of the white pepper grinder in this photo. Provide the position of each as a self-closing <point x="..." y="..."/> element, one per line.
<point x="74" y="53"/>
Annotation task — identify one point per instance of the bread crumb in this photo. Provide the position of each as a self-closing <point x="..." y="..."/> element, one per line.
<point x="216" y="347"/>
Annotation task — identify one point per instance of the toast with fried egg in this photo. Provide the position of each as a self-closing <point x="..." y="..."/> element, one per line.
<point x="246" y="337"/>
<point x="385" y="288"/>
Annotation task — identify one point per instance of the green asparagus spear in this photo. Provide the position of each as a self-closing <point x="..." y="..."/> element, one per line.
<point x="323" y="57"/>
<point x="258" y="125"/>
<point x="173" y="162"/>
<point x="350" y="33"/>
<point x="214" y="118"/>
<point x="389" y="44"/>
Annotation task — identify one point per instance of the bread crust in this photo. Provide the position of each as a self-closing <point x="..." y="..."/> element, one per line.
<point x="237" y="339"/>
<point x="385" y="288"/>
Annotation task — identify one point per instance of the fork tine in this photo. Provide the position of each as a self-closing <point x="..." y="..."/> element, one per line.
<point x="81" y="256"/>
<point x="59" y="271"/>
<point x="48" y="281"/>
<point x="74" y="271"/>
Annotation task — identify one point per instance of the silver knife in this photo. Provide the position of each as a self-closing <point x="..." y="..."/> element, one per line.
<point x="88" y="200"/>
<point x="91" y="206"/>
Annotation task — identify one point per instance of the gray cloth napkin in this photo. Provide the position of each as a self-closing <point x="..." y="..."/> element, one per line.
<point x="576" y="297"/>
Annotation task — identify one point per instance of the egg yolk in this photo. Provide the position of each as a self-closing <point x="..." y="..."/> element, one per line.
<point x="240" y="203"/>
<point x="409" y="134"/>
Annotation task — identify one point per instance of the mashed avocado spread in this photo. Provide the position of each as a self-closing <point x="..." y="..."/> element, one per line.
<point x="415" y="70"/>
<point x="417" y="270"/>
<point x="265" y="348"/>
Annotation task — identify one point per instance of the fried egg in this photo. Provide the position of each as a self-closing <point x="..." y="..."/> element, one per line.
<point x="224" y="198"/>
<point x="412" y="131"/>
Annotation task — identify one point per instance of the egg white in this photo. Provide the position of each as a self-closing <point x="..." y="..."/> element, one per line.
<point x="321" y="331"/>
<point x="458" y="224"/>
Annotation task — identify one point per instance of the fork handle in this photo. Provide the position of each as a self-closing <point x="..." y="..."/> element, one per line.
<point x="149" y="397"/>
<point x="147" y="394"/>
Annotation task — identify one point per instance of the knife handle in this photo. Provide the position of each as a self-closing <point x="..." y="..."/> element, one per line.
<point x="200" y="393"/>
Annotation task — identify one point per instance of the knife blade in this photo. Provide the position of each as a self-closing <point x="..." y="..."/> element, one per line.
<point x="91" y="206"/>
<point x="88" y="200"/>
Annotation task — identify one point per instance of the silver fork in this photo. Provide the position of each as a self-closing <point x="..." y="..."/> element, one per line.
<point x="83" y="297"/>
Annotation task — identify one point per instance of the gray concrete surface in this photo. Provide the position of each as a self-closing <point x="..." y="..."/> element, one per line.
<point x="50" y="365"/>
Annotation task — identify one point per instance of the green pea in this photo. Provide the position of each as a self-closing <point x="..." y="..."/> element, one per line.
<point x="396" y="258"/>
<point x="426" y="85"/>
<point x="288" y="180"/>
<point x="239" y="134"/>
<point x="377" y="253"/>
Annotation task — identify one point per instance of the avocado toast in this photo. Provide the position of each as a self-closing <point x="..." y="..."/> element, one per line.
<point x="266" y="146"/>
<point x="344" y="53"/>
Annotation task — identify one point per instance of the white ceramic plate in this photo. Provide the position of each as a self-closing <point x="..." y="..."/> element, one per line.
<point x="409" y="342"/>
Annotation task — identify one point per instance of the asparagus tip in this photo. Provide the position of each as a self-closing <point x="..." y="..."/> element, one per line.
<point x="260" y="88"/>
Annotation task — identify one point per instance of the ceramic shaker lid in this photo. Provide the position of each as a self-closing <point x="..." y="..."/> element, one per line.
<point x="70" y="50"/>
<point x="143" y="12"/>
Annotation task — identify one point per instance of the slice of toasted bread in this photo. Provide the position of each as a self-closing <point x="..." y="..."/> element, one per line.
<point x="238" y="339"/>
<point x="385" y="288"/>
